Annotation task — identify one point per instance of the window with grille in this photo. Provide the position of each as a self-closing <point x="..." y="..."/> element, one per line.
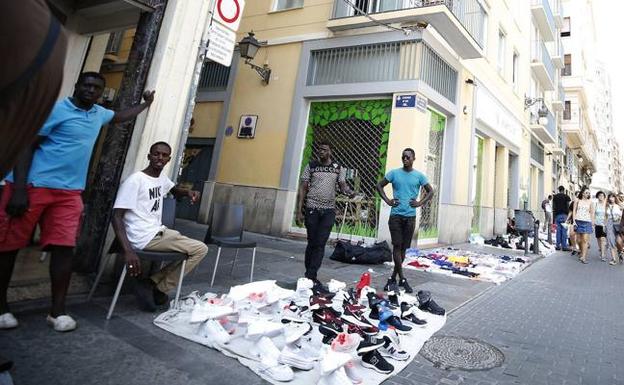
<point x="214" y="77"/>
<point x="114" y="43"/>
<point x="567" y="110"/>
<point x="565" y="30"/>
<point x="567" y="65"/>
<point x="287" y="4"/>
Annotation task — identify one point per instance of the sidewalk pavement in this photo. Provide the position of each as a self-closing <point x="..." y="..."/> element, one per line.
<point x="129" y="349"/>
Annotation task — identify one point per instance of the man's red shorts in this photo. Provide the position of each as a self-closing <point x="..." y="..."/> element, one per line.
<point x="58" y="213"/>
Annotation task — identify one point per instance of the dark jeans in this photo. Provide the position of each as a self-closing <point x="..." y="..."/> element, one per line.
<point x="318" y="223"/>
<point x="562" y="233"/>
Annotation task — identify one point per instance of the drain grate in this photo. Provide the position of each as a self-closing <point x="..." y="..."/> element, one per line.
<point x="451" y="352"/>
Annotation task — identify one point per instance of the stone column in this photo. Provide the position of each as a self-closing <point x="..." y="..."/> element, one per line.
<point x="502" y="185"/>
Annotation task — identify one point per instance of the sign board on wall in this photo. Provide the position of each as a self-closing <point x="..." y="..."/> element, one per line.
<point x="405" y="101"/>
<point x="499" y="120"/>
<point x="225" y="21"/>
<point x="247" y="126"/>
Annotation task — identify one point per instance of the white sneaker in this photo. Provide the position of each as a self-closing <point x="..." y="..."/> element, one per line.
<point x="334" y="360"/>
<point x="363" y="300"/>
<point x="352" y="373"/>
<point x="62" y="323"/>
<point x="309" y="348"/>
<point x="392" y="347"/>
<point x="346" y="342"/>
<point x="296" y="357"/>
<point x="266" y="352"/>
<point x="294" y="331"/>
<point x="214" y="332"/>
<point x="204" y="311"/>
<point x="304" y="283"/>
<point x="8" y="321"/>
<point x="337" y="377"/>
<point x="334" y="286"/>
<point x="264" y="328"/>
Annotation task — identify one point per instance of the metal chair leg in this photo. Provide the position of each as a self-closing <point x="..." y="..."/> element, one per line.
<point x="117" y="291"/>
<point x="253" y="262"/>
<point x="234" y="263"/>
<point x="214" y="272"/>
<point x="177" y="296"/>
<point x="103" y="263"/>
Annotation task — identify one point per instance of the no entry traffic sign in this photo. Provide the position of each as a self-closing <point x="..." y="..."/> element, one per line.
<point x="229" y="13"/>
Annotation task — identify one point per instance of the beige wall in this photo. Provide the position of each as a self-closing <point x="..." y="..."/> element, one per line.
<point x="258" y="161"/>
<point x="463" y="149"/>
<point x="502" y="177"/>
<point x="206" y="116"/>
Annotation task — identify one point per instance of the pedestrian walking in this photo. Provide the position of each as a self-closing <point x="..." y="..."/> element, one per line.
<point x="584" y="219"/>
<point x="561" y="208"/>
<point x="316" y="207"/>
<point x="45" y="188"/>
<point x="547" y="207"/>
<point x="406" y="185"/>
<point x="600" y="210"/>
<point x="613" y="227"/>
<point x="571" y="227"/>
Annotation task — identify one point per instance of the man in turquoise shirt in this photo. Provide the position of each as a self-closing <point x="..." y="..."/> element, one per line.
<point x="406" y="185"/>
<point x="45" y="188"/>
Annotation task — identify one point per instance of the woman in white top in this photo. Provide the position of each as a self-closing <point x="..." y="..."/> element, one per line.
<point x="583" y="221"/>
<point x="614" y="238"/>
<point x="600" y="209"/>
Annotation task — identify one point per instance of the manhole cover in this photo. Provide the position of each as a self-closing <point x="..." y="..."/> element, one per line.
<point x="449" y="352"/>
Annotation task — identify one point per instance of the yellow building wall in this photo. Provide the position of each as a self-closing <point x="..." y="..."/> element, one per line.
<point x="294" y="22"/>
<point x="463" y="161"/>
<point x="113" y="79"/>
<point x="489" y="170"/>
<point x="258" y="161"/>
<point x="206" y="116"/>
<point x="502" y="177"/>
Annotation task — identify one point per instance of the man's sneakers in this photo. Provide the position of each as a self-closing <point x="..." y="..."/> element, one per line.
<point x="374" y="360"/>
<point x="426" y="303"/>
<point x="62" y="323"/>
<point x="8" y="321"/>
<point x="297" y="357"/>
<point x="144" y="292"/>
<point x="369" y="344"/>
<point x="294" y="313"/>
<point x="392" y="349"/>
<point x="403" y="283"/>
<point x="265" y="351"/>
<point x="391" y="285"/>
<point x="396" y="323"/>
<point x="214" y="332"/>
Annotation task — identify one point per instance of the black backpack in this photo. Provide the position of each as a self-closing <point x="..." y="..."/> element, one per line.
<point x="374" y="255"/>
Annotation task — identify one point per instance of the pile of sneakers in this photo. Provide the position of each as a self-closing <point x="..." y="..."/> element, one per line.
<point x="342" y="331"/>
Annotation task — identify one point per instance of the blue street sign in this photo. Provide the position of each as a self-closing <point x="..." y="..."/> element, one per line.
<point x="405" y="101"/>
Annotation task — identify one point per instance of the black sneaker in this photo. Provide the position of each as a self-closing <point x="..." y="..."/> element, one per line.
<point x="374" y="360"/>
<point x="160" y="298"/>
<point x="391" y="285"/>
<point x="403" y="283"/>
<point x="395" y="322"/>
<point x="319" y="288"/>
<point x="408" y="315"/>
<point x="432" y="307"/>
<point x="369" y="344"/>
<point x="144" y="292"/>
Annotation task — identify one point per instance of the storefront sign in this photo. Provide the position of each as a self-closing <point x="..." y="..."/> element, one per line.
<point x="405" y="101"/>
<point x="500" y="122"/>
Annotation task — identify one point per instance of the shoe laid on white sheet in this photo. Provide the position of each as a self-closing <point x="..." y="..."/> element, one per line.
<point x="187" y="302"/>
<point x="8" y="321"/>
<point x="265" y="351"/>
<point x="62" y="323"/>
<point x="262" y="328"/>
<point x="214" y="332"/>
<point x="334" y="286"/>
<point x="337" y="377"/>
<point x="205" y="311"/>
<point x="297" y="357"/>
<point x="334" y="360"/>
<point x="294" y="331"/>
<point x="353" y="373"/>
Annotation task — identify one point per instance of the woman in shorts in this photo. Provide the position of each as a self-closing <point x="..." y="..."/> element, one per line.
<point x="600" y="210"/>
<point x="583" y="221"/>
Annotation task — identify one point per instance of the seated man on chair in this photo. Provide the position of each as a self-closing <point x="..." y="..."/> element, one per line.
<point x="138" y="226"/>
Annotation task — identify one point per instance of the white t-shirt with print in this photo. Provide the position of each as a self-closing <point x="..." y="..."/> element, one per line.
<point x="142" y="195"/>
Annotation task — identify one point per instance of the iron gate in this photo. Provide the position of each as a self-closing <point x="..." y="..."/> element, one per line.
<point x="359" y="132"/>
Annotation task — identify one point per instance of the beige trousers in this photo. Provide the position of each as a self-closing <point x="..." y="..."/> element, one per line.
<point x="171" y="240"/>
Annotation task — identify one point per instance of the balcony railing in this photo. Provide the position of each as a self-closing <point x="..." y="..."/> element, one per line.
<point x="539" y="53"/>
<point x="549" y="13"/>
<point x="469" y="13"/>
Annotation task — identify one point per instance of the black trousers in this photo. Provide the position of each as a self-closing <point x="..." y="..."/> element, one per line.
<point x="318" y="223"/>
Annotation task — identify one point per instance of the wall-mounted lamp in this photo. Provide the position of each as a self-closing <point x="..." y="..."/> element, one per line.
<point x="471" y="82"/>
<point x="249" y="47"/>
<point x="542" y="113"/>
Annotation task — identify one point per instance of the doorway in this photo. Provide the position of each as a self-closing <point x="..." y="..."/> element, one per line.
<point x="195" y="171"/>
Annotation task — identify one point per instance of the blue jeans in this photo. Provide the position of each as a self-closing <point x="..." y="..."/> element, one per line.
<point x="562" y="233"/>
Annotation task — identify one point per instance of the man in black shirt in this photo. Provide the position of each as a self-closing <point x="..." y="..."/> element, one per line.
<point x="561" y="202"/>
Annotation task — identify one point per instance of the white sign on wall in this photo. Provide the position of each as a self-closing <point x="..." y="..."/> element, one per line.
<point x="229" y="13"/>
<point x="221" y="45"/>
<point x="497" y="118"/>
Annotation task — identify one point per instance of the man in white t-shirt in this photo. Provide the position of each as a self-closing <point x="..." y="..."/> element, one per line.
<point x="138" y="226"/>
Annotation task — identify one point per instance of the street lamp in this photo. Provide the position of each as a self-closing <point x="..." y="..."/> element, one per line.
<point x="249" y="47"/>
<point x="542" y="113"/>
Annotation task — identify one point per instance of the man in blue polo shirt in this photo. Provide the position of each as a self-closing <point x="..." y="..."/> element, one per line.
<point x="45" y="188"/>
<point x="406" y="185"/>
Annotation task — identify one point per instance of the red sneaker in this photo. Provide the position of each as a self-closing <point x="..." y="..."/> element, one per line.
<point x="365" y="280"/>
